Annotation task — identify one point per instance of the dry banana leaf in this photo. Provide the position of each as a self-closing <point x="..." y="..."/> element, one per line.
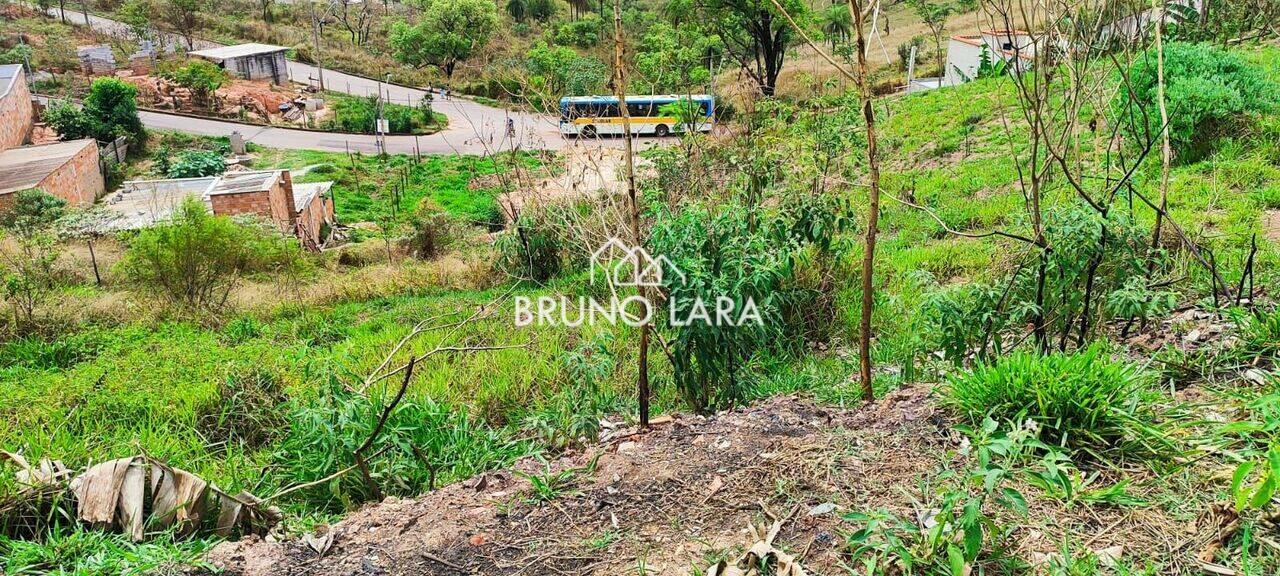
<point x="138" y="493"/>
<point x="28" y="477"/>
<point x="761" y="558"/>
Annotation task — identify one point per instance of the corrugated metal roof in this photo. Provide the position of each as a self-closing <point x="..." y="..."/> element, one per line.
<point x="303" y="194"/>
<point x="237" y="51"/>
<point x="23" y="168"/>
<point x="241" y="182"/>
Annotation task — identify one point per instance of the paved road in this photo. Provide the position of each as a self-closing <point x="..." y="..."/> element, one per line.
<point x="473" y="128"/>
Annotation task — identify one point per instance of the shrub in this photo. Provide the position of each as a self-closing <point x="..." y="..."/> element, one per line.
<point x="196" y="164"/>
<point x="1081" y="400"/>
<point x="202" y="77"/>
<point x="28" y="261"/>
<point x="246" y="411"/>
<point x="428" y="444"/>
<point x="109" y="112"/>
<point x="531" y="251"/>
<point x="360" y="115"/>
<point x="1206" y="88"/>
<point x="196" y="258"/>
<point x="434" y="230"/>
<point x="582" y="33"/>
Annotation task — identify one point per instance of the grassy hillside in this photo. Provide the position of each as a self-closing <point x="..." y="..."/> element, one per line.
<point x="283" y="379"/>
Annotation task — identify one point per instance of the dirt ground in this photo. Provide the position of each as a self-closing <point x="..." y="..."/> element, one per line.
<point x="671" y="499"/>
<point x="680" y="497"/>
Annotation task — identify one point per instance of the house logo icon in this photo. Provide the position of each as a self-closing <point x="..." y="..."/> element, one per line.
<point x="620" y="264"/>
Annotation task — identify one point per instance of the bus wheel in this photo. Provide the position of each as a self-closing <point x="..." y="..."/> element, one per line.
<point x="588" y="131"/>
<point x="661" y="130"/>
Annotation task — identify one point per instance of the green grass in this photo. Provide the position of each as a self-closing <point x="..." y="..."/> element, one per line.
<point x="1082" y="400"/>
<point x="364" y="183"/>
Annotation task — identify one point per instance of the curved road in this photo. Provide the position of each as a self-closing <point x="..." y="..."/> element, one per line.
<point x="473" y="128"/>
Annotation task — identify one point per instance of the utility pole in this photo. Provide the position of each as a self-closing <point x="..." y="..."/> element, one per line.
<point x="315" y="40"/>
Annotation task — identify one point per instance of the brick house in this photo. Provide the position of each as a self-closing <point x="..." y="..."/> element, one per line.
<point x="68" y="170"/>
<point x="16" y="113"/>
<point x="268" y="194"/>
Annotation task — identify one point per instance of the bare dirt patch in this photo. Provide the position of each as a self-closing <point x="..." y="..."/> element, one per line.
<point x="672" y="499"/>
<point x="1271" y="225"/>
<point x="678" y="498"/>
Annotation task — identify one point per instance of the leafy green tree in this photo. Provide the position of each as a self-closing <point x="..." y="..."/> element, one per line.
<point x="518" y="10"/>
<point x="137" y="15"/>
<point x="560" y="70"/>
<point x="448" y="32"/>
<point x="109" y="112"/>
<point x="28" y="260"/>
<point x="934" y="14"/>
<point x="1206" y="87"/>
<point x="675" y="58"/>
<point x="755" y="34"/>
<point x="541" y="10"/>
<point x="182" y="17"/>
<point x="201" y="77"/>
<point x="583" y="32"/>
<point x="837" y="24"/>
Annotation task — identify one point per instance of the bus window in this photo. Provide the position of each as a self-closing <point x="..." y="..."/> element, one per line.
<point x="642" y="110"/>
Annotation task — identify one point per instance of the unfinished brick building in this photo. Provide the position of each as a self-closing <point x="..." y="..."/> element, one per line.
<point x="16" y="113"/>
<point x="305" y="211"/>
<point x="68" y="170"/>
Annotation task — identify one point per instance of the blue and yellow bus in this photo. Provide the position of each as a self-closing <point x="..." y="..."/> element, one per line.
<point x="599" y="115"/>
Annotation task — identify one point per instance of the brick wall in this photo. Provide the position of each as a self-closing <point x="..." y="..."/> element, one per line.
<point x="258" y="203"/>
<point x="79" y="181"/>
<point x="283" y="212"/>
<point x="16" y="115"/>
<point x="311" y="221"/>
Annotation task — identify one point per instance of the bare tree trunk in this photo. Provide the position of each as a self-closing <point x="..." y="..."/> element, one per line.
<point x="620" y="90"/>
<point x="873" y="207"/>
<point x="1166" y="151"/>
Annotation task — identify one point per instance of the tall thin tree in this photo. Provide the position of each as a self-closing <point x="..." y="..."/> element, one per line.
<point x="1166" y="151"/>
<point x="620" y="90"/>
<point x="873" y="200"/>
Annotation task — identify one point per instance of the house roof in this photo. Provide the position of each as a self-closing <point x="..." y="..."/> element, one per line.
<point x="303" y="194"/>
<point x="238" y="51"/>
<point x="242" y="182"/>
<point x="9" y="74"/>
<point x="25" y="167"/>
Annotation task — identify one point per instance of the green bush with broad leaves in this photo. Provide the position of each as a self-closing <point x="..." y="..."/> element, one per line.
<point x="1207" y="88"/>
<point x="201" y="77"/>
<point x="110" y="111"/>
<point x="196" y="164"/>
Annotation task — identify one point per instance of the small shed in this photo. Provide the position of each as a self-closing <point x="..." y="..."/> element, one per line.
<point x="250" y="61"/>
